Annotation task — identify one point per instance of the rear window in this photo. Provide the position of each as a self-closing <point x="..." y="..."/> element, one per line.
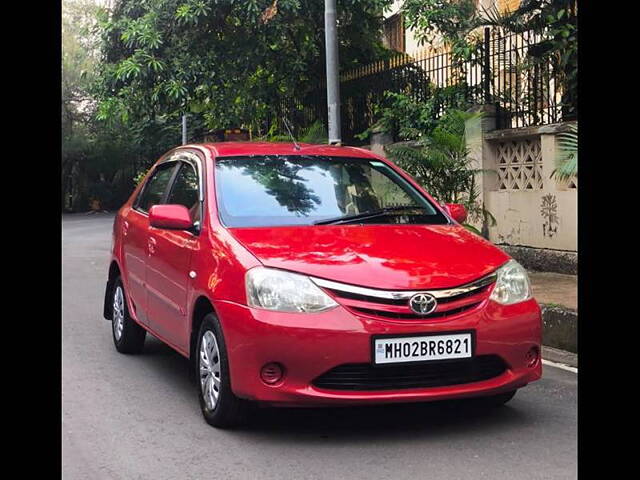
<point x="278" y="190"/>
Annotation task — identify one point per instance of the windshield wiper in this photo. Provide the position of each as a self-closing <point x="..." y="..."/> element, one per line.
<point x="365" y="215"/>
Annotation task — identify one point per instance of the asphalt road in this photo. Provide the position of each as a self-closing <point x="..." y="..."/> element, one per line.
<point x="137" y="417"/>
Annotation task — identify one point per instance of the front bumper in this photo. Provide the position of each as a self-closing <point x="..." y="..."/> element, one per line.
<point x="308" y="345"/>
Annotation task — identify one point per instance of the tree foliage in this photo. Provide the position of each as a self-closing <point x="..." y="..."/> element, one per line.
<point x="407" y="119"/>
<point x="458" y="23"/>
<point x="448" y="21"/>
<point x="131" y="71"/>
<point x="567" y="156"/>
<point x="228" y="62"/>
<point x="79" y="57"/>
<point x="99" y="159"/>
<point x="314" y="133"/>
<point x="437" y="154"/>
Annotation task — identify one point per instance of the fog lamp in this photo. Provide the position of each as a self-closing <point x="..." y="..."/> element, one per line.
<point x="532" y="356"/>
<point x="271" y="373"/>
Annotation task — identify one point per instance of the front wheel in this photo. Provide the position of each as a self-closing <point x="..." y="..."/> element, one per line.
<point x="220" y="407"/>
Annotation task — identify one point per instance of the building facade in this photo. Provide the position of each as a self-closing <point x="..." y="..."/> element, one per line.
<point x="397" y="36"/>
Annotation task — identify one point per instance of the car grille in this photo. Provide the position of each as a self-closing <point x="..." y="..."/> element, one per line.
<point x="390" y="304"/>
<point x="413" y="316"/>
<point x="364" y="376"/>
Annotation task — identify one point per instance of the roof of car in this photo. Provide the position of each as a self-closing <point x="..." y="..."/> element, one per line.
<point x="228" y="149"/>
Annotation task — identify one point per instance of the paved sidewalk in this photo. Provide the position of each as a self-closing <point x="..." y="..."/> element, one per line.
<point x="555" y="288"/>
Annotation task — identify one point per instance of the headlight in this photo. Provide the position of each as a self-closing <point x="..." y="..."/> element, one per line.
<point x="512" y="285"/>
<point x="285" y="292"/>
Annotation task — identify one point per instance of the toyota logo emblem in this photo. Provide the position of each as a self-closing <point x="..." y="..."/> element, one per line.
<point x="423" y="303"/>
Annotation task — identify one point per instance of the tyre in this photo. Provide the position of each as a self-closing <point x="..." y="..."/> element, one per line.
<point x="128" y="336"/>
<point x="220" y="407"/>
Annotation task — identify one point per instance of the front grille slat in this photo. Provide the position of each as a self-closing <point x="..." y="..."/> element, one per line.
<point x="366" y="298"/>
<point x="389" y="301"/>
<point x="365" y="376"/>
<point x="395" y="304"/>
<point x="413" y="316"/>
<point x="463" y="295"/>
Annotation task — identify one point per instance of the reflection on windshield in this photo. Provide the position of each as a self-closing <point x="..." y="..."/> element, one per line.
<point x="300" y="190"/>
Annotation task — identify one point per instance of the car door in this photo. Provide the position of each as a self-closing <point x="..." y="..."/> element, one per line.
<point x="135" y="230"/>
<point x="169" y="258"/>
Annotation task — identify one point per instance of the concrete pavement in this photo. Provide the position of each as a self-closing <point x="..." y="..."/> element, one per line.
<point x="555" y="289"/>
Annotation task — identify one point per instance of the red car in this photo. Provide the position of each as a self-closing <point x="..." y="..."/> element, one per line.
<point x="315" y="275"/>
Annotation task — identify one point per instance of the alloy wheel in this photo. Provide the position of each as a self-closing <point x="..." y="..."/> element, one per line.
<point x="118" y="312"/>
<point x="210" y="369"/>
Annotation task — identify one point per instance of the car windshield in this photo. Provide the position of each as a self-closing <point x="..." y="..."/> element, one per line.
<point x="278" y="190"/>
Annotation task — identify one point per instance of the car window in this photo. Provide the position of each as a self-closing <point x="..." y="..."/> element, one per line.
<point x="277" y="190"/>
<point x="185" y="190"/>
<point x="155" y="187"/>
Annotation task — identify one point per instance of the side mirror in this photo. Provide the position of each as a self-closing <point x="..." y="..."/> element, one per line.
<point x="457" y="212"/>
<point x="170" y="217"/>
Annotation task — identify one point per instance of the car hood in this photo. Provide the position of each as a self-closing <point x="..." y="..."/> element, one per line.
<point x="378" y="256"/>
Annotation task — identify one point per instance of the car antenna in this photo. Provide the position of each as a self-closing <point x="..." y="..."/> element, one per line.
<point x="286" y="124"/>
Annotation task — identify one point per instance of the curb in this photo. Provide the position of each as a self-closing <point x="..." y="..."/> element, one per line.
<point x="560" y="356"/>
<point x="543" y="260"/>
<point x="560" y="328"/>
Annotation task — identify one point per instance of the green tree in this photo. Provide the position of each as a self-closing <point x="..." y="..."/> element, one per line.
<point x="224" y="61"/>
<point x="98" y="160"/>
<point x="408" y="119"/>
<point x="79" y="57"/>
<point x="567" y="156"/>
<point x="439" y="159"/>
<point x="458" y="24"/>
<point x="448" y="21"/>
<point x="314" y="133"/>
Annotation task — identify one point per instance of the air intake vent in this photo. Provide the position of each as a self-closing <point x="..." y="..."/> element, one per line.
<point x="364" y="376"/>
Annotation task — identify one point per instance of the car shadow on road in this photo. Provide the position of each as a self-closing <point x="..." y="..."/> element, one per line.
<point x="174" y="369"/>
<point x="387" y="422"/>
<point x="353" y="423"/>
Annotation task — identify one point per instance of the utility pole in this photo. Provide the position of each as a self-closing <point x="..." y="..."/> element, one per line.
<point x="184" y="129"/>
<point x="333" y="82"/>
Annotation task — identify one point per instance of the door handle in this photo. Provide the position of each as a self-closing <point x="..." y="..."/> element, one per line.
<point x="152" y="245"/>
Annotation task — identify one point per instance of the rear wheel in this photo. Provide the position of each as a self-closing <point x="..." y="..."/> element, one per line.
<point x="220" y="407"/>
<point x="128" y="336"/>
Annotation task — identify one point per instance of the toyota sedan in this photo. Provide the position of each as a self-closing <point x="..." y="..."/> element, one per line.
<point x="315" y="275"/>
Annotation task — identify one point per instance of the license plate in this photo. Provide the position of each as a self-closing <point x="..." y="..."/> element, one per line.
<point x="422" y="348"/>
